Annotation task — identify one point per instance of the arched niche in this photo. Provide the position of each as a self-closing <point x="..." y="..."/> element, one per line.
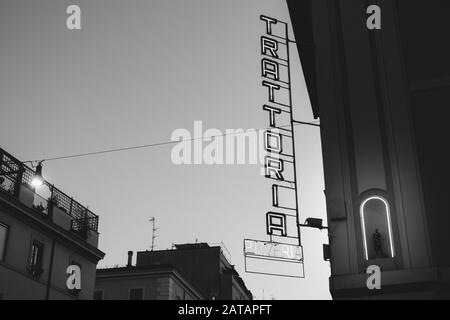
<point x="378" y="240"/>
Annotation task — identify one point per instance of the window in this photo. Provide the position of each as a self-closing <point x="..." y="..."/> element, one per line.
<point x="376" y="228"/>
<point x="137" y="294"/>
<point x="35" y="264"/>
<point x="98" y="295"/>
<point x="3" y="238"/>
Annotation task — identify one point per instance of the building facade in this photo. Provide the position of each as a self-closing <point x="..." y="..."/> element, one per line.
<point x="42" y="232"/>
<point x="206" y="267"/>
<point x="158" y="282"/>
<point x="187" y="272"/>
<point x="381" y="95"/>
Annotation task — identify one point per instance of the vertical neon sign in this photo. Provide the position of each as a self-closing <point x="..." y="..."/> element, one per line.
<point x="282" y="221"/>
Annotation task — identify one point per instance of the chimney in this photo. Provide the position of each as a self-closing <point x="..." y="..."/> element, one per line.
<point x="130" y="259"/>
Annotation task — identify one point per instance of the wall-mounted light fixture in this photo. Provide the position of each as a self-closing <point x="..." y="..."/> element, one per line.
<point x="313" y="223"/>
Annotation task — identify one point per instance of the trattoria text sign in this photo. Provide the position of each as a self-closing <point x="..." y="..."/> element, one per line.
<point x="282" y="253"/>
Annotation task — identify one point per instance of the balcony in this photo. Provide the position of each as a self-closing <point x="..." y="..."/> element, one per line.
<point x="47" y="201"/>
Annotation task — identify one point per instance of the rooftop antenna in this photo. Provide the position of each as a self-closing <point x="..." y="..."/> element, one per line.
<point x="154" y="229"/>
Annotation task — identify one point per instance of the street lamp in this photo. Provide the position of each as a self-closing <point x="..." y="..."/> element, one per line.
<point x="313" y="223"/>
<point x="37" y="180"/>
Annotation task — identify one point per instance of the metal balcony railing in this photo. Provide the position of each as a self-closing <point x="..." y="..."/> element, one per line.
<point x="14" y="173"/>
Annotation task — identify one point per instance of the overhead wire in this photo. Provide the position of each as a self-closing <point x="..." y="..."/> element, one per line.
<point x="158" y="144"/>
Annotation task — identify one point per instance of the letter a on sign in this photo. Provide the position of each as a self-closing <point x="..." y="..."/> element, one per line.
<point x="74" y="279"/>
<point x="270" y="69"/>
<point x="276" y="222"/>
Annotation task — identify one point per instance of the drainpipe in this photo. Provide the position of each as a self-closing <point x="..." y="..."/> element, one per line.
<point x="50" y="270"/>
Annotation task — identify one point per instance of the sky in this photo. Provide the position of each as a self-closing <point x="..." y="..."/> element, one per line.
<point x="135" y="72"/>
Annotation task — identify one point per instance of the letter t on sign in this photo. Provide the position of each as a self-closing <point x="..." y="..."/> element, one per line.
<point x="269" y="22"/>
<point x="272" y="111"/>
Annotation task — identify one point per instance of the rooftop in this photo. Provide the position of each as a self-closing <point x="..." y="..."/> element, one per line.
<point x="115" y="269"/>
<point x="202" y="245"/>
<point x="225" y="259"/>
<point x="15" y="180"/>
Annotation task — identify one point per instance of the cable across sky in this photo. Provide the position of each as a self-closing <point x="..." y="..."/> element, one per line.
<point x="158" y="144"/>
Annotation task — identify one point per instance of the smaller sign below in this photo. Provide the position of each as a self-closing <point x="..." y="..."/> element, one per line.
<point x="273" y="250"/>
<point x="273" y="258"/>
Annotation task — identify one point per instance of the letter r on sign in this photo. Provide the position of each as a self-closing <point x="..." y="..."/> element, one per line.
<point x="269" y="45"/>
<point x="274" y="166"/>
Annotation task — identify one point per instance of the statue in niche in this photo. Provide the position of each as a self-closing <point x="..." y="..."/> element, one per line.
<point x="378" y="246"/>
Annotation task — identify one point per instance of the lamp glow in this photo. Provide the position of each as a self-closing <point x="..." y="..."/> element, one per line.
<point x="37" y="180"/>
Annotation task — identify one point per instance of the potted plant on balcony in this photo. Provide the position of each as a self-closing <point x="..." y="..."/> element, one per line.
<point x="4" y="186"/>
<point x="2" y="180"/>
<point x="54" y="200"/>
<point x="82" y="227"/>
<point x="40" y="208"/>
